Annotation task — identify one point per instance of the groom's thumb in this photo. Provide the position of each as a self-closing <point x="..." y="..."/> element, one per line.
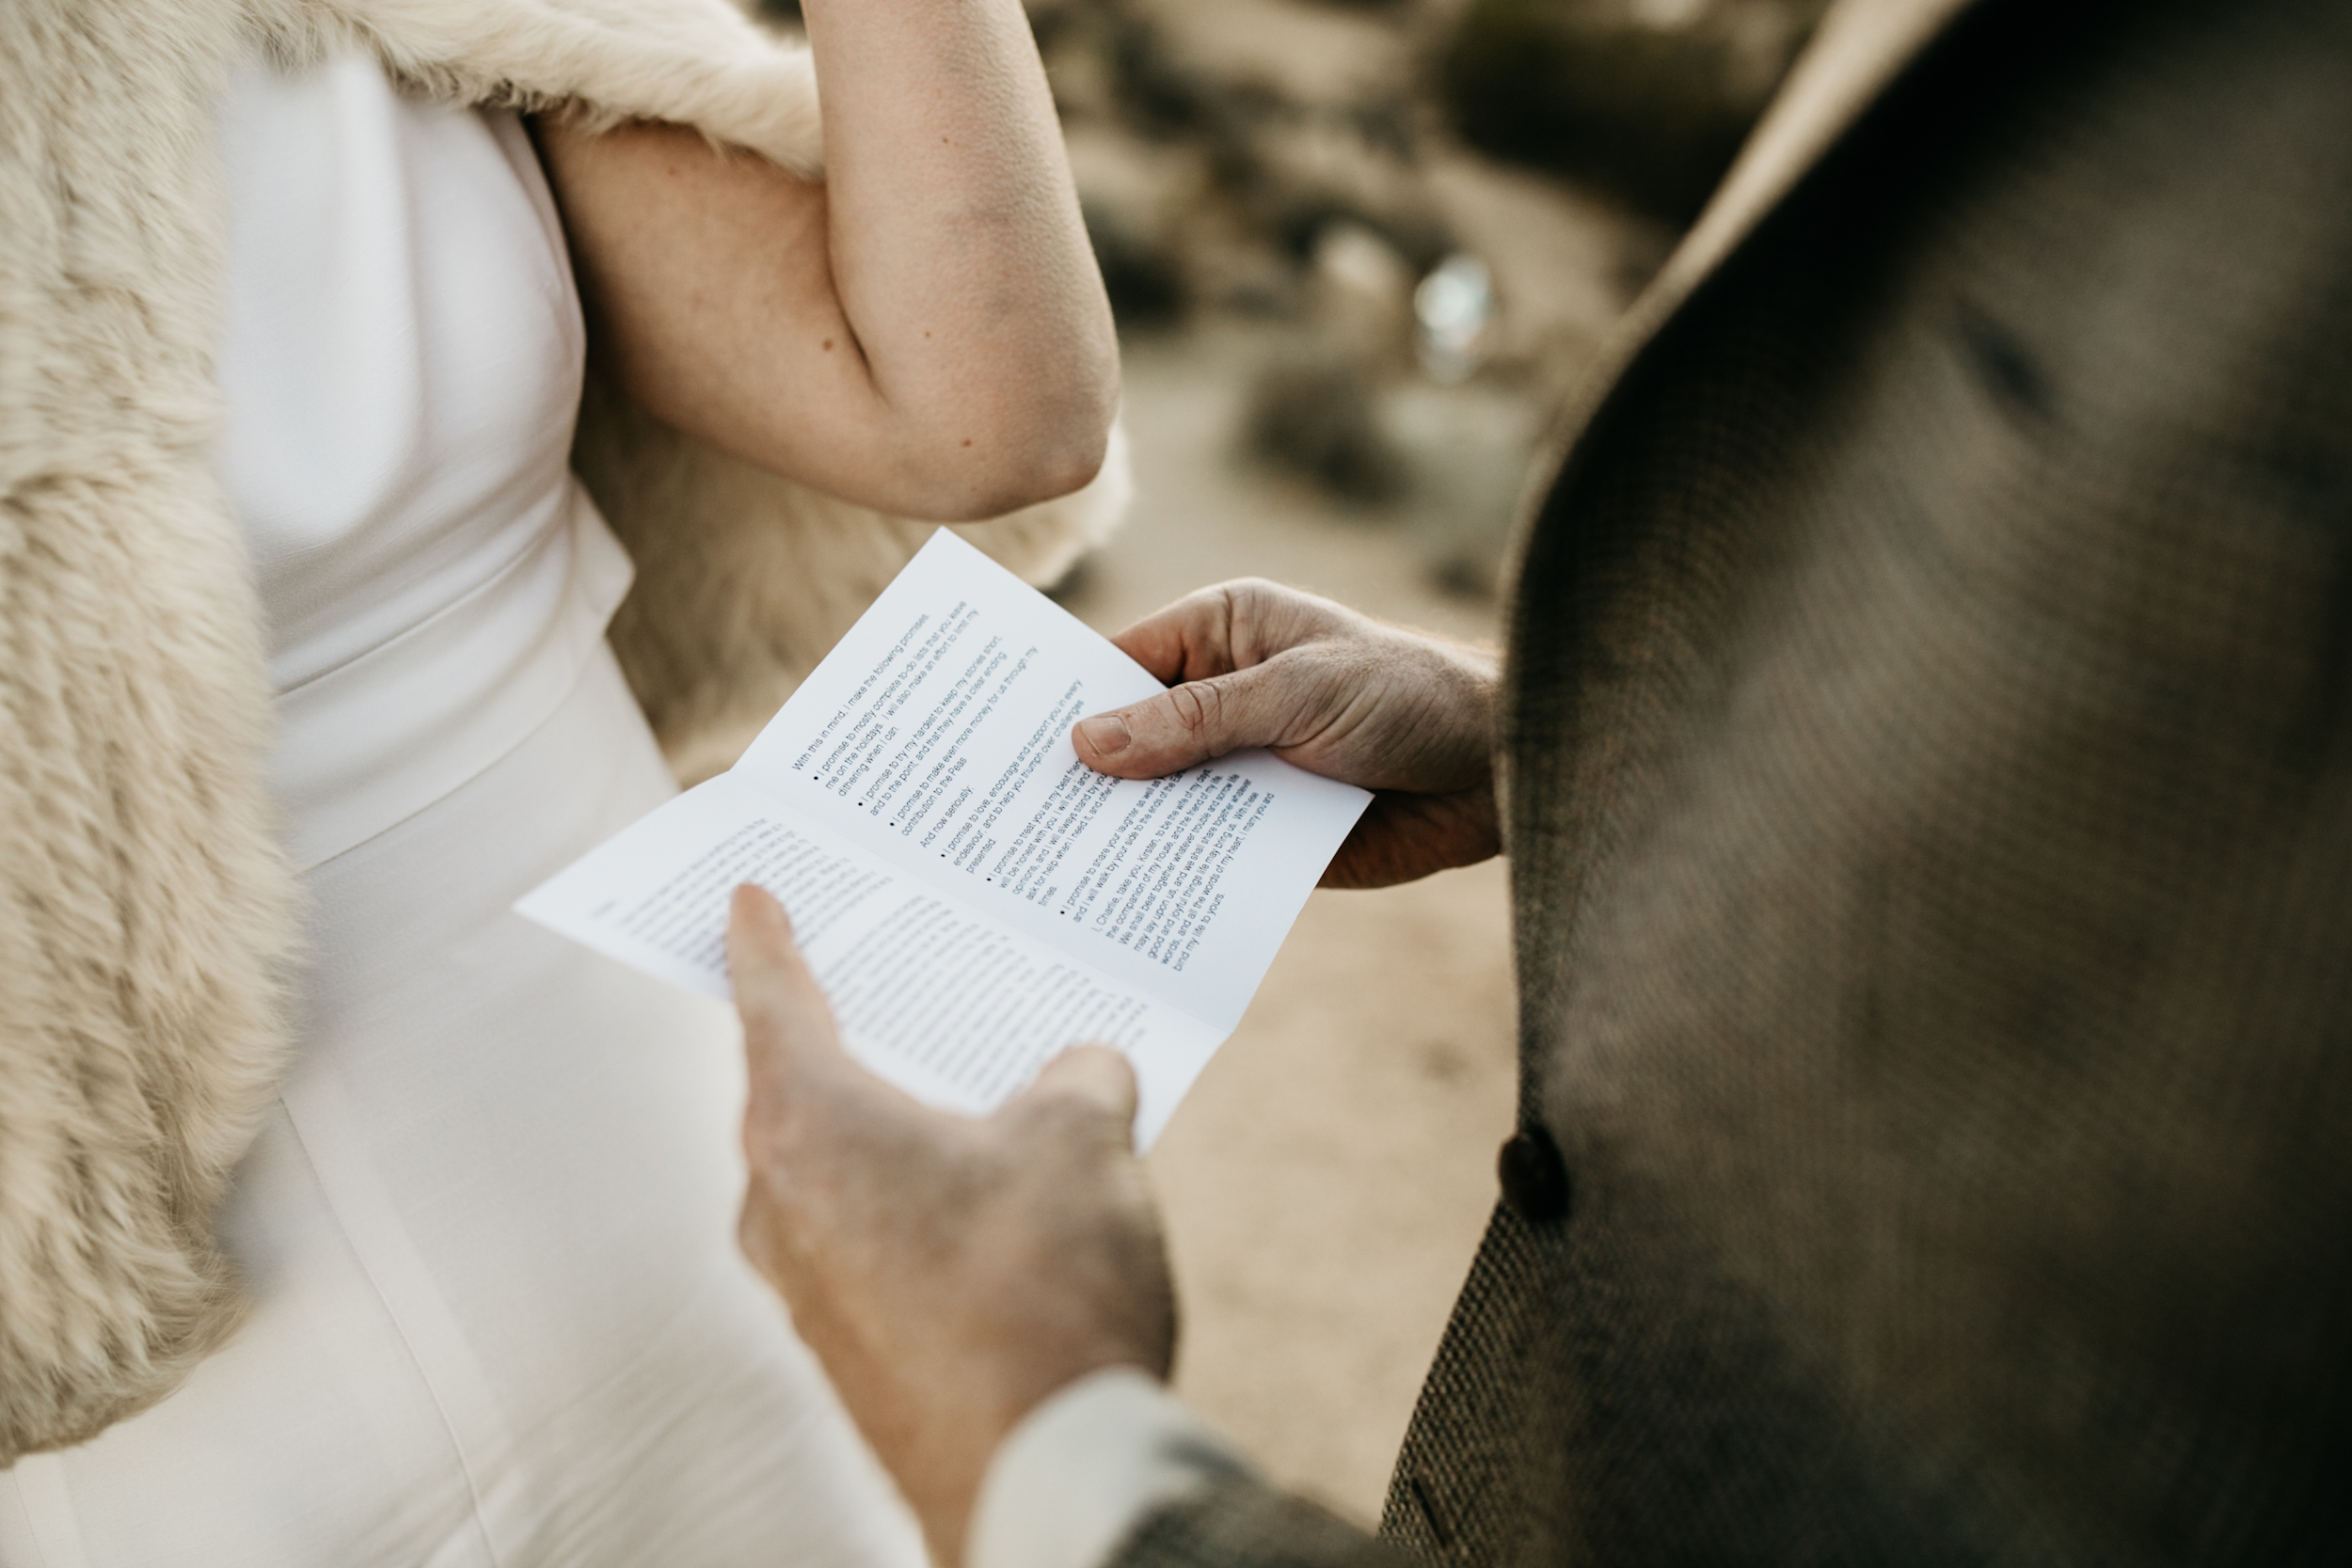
<point x="1191" y="723"/>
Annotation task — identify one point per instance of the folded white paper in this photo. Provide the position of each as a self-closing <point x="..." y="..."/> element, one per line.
<point x="972" y="896"/>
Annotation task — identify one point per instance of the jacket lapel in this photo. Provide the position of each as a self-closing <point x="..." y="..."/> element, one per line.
<point x="1856" y="54"/>
<point x="1861" y="47"/>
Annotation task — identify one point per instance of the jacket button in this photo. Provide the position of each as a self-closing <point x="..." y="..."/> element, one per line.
<point x="1534" y="1177"/>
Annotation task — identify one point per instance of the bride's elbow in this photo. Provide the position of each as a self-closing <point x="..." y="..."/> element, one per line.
<point x="1048" y="472"/>
<point x="1021" y="463"/>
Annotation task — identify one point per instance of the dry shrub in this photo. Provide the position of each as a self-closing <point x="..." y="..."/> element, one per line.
<point x="1311" y="414"/>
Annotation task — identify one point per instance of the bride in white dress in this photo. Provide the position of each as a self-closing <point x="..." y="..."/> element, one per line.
<point x="500" y="1314"/>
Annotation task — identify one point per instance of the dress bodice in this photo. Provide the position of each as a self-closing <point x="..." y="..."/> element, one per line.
<point x="401" y="367"/>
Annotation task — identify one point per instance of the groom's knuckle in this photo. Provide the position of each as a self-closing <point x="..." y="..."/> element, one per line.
<point x="1258" y="613"/>
<point x="1196" y="706"/>
<point x="1248" y="597"/>
<point x="1231" y="603"/>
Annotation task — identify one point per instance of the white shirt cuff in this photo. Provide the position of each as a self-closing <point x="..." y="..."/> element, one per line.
<point x="1083" y="1469"/>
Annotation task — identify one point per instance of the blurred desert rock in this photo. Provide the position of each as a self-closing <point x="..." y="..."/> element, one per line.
<point x="1311" y="414"/>
<point x="1308" y="170"/>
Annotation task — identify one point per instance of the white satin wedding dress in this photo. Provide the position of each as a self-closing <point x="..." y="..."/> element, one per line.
<point x="501" y="1318"/>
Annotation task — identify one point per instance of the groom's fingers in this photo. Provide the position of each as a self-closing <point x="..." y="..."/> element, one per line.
<point x="1214" y="631"/>
<point x="1094" y="1075"/>
<point x="1183" y="641"/>
<point x="788" y="1025"/>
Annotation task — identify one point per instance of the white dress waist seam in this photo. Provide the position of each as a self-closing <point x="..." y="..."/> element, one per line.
<point x="377" y="739"/>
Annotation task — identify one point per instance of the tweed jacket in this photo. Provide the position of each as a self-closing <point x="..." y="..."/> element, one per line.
<point x="1929" y="786"/>
<point x="145" y="916"/>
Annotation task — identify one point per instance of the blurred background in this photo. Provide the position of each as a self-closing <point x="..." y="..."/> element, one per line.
<point x="1360" y="251"/>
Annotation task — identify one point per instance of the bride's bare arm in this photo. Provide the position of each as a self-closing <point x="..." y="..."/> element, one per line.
<point x="924" y="333"/>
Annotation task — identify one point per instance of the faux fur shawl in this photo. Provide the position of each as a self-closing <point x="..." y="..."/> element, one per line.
<point x="147" y="920"/>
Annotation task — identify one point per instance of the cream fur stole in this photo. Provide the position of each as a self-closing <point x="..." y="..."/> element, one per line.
<point x="147" y="918"/>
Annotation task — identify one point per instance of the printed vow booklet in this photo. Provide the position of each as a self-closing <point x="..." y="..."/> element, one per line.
<point x="972" y="896"/>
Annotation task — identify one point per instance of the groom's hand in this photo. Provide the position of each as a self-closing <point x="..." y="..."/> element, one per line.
<point x="1252" y="663"/>
<point x="949" y="1274"/>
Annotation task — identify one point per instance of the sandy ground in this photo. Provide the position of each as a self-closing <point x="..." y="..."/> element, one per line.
<point x="1327" y="1181"/>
